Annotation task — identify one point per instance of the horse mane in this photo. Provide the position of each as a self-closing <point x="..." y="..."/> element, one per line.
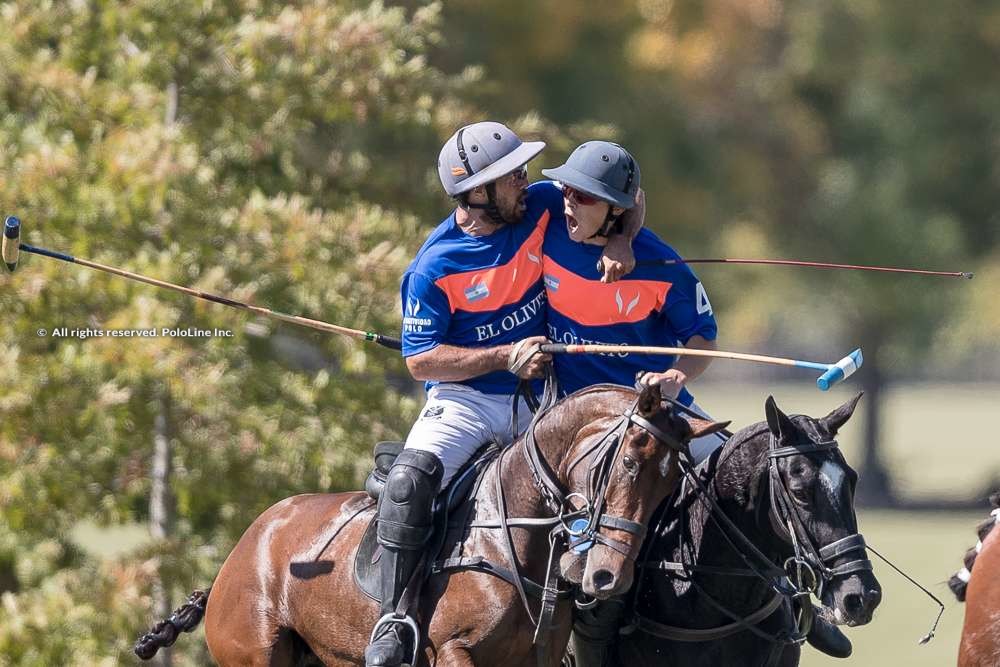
<point x="959" y="581"/>
<point x="740" y="478"/>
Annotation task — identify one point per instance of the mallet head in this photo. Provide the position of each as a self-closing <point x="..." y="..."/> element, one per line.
<point x="841" y="370"/>
<point x="11" y="242"/>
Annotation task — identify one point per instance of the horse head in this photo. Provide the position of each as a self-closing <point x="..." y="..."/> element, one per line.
<point x="625" y="464"/>
<point x="811" y="508"/>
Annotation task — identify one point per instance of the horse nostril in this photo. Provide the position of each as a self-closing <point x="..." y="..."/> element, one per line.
<point x="603" y="580"/>
<point x="853" y="603"/>
<point x="873" y="597"/>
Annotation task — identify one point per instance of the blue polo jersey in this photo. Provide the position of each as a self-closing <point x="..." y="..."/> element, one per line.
<point x="480" y="291"/>
<point x="653" y="305"/>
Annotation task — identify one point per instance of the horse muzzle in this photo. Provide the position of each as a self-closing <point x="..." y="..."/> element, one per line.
<point x="854" y="601"/>
<point x="605" y="578"/>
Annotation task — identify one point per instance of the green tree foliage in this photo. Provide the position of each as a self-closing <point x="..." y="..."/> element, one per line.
<point x="273" y="152"/>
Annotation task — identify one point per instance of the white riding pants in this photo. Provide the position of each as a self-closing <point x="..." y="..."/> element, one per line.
<point x="457" y="420"/>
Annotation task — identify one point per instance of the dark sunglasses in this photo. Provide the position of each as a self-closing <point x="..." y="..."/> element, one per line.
<point x="519" y="174"/>
<point x="581" y="198"/>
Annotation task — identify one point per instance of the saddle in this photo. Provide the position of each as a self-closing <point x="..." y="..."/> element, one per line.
<point x="452" y="508"/>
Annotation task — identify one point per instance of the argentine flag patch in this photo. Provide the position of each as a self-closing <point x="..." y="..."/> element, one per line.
<point x="476" y="292"/>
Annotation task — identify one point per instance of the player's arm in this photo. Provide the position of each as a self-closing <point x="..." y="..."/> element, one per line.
<point x="688" y="313"/>
<point x="618" y="258"/>
<point x="450" y="363"/>
<point x="687" y="368"/>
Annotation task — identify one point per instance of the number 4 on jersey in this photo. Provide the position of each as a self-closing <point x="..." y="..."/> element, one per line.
<point x="704" y="306"/>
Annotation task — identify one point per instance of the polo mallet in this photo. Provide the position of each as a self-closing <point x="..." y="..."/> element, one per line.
<point x="12" y="246"/>
<point x="968" y="275"/>
<point x="832" y="373"/>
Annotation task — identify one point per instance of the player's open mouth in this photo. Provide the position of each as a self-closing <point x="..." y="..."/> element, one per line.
<point x="571" y="224"/>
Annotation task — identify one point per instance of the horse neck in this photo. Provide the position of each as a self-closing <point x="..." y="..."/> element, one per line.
<point x="556" y="437"/>
<point x="732" y="486"/>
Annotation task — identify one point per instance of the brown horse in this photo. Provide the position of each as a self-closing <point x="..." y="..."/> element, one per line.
<point x="978" y="585"/>
<point x="286" y="593"/>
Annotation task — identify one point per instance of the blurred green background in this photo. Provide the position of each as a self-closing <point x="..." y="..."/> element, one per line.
<point x="283" y="153"/>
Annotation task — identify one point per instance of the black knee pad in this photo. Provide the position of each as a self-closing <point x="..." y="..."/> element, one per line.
<point x="404" y="515"/>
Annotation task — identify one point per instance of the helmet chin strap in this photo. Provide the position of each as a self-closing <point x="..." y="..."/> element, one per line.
<point x="609" y="222"/>
<point x="490" y="207"/>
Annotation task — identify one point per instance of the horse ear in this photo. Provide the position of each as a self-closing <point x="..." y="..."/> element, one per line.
<point x="703" y="427"/>
<point x="777" y="421"/>
<point x="839" y="417"/>
<point x="649" y="400"/>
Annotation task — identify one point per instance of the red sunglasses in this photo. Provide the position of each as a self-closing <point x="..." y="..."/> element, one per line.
<point x="581" y="198"/>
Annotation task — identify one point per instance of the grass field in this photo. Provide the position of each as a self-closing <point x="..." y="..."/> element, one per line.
<point x="934" y="445"/>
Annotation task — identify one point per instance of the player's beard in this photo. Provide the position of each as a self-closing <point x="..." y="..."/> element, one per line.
<point x="512" y="212"/>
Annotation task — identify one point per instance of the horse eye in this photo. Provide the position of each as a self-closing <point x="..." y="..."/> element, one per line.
<point x="800" y="492"/>
<point x="630" y="463"/>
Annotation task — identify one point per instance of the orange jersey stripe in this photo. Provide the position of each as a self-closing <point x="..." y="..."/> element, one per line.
<point x="593" y="303"/>
<point x="483" y="290"/>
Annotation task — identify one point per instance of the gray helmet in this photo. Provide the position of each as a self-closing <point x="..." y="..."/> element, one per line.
<point x="481" y="153"/>
<point x="603" y="170"/>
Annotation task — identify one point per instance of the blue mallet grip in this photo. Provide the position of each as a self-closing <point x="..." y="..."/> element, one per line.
<point x="841" y="370"/>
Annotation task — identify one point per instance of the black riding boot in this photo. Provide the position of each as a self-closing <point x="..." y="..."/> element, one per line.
<point x="827" y="638"/>
<point x="594" y="630"/>
<point x="404" y="527"/>
<point x="394" y="643"/>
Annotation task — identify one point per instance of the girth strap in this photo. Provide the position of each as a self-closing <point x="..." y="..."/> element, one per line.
<point x="480" y="564"/>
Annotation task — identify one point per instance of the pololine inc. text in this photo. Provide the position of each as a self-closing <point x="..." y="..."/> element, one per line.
<point x="152" y="332"/>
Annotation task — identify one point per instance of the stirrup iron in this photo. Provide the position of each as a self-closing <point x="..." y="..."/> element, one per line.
<point x="392" y="619"/>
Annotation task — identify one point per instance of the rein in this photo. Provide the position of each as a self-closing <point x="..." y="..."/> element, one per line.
<point x="803" y="574"/>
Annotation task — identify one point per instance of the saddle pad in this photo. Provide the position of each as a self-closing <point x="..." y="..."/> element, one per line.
<point x="366" y="568"/>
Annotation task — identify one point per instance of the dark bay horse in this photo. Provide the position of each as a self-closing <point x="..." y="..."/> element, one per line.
<point x="286" y="594"/>
<point x="978" y="586"/>
<point x="705" y="597"/>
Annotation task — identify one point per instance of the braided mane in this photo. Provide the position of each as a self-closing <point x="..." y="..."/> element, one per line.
<point x="960" y="580"/>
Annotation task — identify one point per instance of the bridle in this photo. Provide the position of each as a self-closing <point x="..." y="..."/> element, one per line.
<point x="584" y="530"/>
<point x="807" y="572"/>
<point x="579" y="528"/>
<point x="810" y="564"/>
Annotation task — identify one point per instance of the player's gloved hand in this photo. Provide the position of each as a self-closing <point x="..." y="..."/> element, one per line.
<point x="671" y="381"/>
<point x="525" y="360"/>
